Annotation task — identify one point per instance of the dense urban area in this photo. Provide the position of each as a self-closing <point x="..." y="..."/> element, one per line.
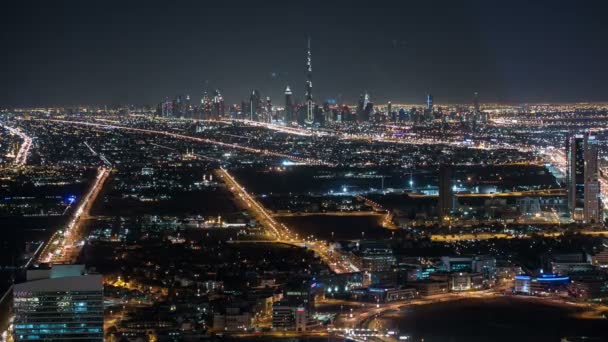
<point x="194" y="221"/>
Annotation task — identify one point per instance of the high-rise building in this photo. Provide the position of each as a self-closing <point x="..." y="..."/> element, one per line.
<point x="268" y="109"/>
<point x="476" y="102"/>
<point x="309" y="102"/>
<point x="205" y="106"/>
<point x="255" y="104"/>
<point x="429" y="102"/>
<point x="288" y="106"/>
<point x="218" y="105"/>
<point x="583" y="179"/>
<point x="59" y="307"/>
<point x="446" y="192"/>
<point x="166" y="108"/>
<point x="389" y="111"/>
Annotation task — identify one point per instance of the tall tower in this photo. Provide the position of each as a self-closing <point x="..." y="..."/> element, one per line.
<point x="593" y="205"/>
<point x="476" y="102"/>
<point x="583" y="179"/>
<point x="268" y="109"/>
<point x="218" y="104"/>
<point x="288" y="106"/>
<point x="446" y="193"/>
<point x="309" y="103"/>
<point x="254" y="105"/>
<point x="429" y="102"/>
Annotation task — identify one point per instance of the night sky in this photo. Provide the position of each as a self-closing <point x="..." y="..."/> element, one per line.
<point x="106" y="52"/>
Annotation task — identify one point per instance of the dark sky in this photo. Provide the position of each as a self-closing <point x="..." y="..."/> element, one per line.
<point x="107" y="52"/>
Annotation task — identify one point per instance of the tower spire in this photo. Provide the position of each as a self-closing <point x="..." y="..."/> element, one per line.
<point x="309" y="103"/>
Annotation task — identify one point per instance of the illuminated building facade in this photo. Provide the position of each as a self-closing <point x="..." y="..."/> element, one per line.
<point x="309" y="102"/>
<point x="59" y="309"/>
<point x="583" y="179"/>
<point x="288" y="105"/>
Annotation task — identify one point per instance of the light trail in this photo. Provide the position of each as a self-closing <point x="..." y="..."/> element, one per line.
<point x="381" y="137"/>
<point x="308" y="161"/>
<point x="63" y="248"/>
<point x="337" y="262"/>
<point x="24" y="149"/>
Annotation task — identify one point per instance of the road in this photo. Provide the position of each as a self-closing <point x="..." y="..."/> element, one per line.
<point x="64" y="247"/>
<point x="24" y="148"/>
<point x="279" y="232"/>
<point x="307" y="161"/>
<point x="487" y="236"/>
<point x="387" y="222"/>
<point x="330" y="213"/>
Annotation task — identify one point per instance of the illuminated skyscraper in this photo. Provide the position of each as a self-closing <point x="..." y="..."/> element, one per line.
<point x="205" y="106"/>
<point x="218" y="105"/>
<point x="309" y="103"/>
<point x="476" y="102"/>
<point x="288" y="106"/>
<point x="429" y="102"/>
<point x="583" y="179"/>
<point x="254" y="105"/>
<point x="268" y="108"/>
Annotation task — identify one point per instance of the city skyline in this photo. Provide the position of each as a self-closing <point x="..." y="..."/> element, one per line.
<point x="319" y="170"/>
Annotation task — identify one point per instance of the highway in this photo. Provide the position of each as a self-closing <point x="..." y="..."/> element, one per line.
<point x="307" y="161"/>
<point x="387" y="222"/>
<point x="330" y="213"/>
<point x="64" y="247"/>
<point x="487" y="236"/>
<point x="24" y="148"/>
<point x="279" y="232"/>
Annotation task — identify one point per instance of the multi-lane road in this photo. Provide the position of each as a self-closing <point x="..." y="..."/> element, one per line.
<point x="338" y="262"/>
<point x="307" y="161"/>
<point x="24" y="148"/>
<point x="64" y="246"/>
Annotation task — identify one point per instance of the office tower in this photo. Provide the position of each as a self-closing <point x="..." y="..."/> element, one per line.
<point x="368" y="111"/>
<point x="179" y="106"/>
<point x="254" y="105"/>
<point x="268" y="109"/>
<point x="402" y="115"/>
<point x="309" y="103"/>
<point x="446" y="193"/>
<point x="345" y="114"/>
<point x="218" y="105"/>
<point x="583" y="179"/>
<point x="243" y="114"/>
<point x="288" y="106"/>
<point x="59" y="308"/>
<point x="389" y="111"/>
<point x="167" y="108"/>
<point x="476" y="102"/>
<point x="429" y="102"/>
<point x="205" y="106"/>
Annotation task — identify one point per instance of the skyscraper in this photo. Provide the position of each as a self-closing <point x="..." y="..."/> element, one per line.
<point x="254" y="105"/>
<point x="429" y="102"/>
<point x="446" y="193"/>
<point x="59" y="307"/>
<point x="268" y="109"/>
<point x="205" y="106"/>
<point x="583" y="179"/>
<point x="218" y="105"/>
<point x="288" y="106"/>
<point x="476" y="102"/>
<point x="309" y="103"/>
